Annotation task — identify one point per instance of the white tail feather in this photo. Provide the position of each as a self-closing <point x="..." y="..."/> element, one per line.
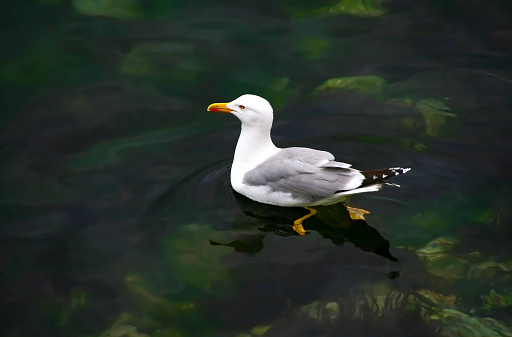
<point x="369" y="188"/>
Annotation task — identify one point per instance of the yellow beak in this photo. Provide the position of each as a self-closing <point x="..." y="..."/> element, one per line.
<point x="219" y="107"/>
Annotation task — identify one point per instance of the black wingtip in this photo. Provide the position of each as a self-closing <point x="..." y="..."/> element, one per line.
<point x="374" y="176"/>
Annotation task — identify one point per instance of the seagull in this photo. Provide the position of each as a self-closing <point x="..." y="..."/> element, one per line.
<point x="292" y="176"/>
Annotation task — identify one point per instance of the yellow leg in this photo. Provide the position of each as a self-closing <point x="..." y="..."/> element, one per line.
<point x="297" y="224"/>
<point x="356" y="213"/>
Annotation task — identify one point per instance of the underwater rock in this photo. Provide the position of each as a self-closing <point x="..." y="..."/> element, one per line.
<point x="120" y="328"/>
<point x="125" y="331"/>
<point x="495" y="300"/>
<point x="363" y="8"/>
<point x="489" y="269"/>
<point x="364" y="84"/>
<point x="441" y="261"/>
<point x="194" y="262"/>
<point x="438" y="246"/>
<point x="313" y="47"/>
<point x="456" y="323"/>
<point x="434" y="112"/>
<point x="164" y="60"/>
<point x="440" y="299"/>
<point x="126" y="9"/>
<point x="321" y="311"/>
<point x="135" y="285"/>
<point x="259" y="330"/>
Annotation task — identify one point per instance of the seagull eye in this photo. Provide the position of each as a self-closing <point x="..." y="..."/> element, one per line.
<point x="241" y="107"/>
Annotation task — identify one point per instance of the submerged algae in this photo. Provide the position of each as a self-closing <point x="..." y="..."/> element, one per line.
<point x="496" y="300"/>
<point x="363" y="84"/>
<point x="195" y="262"/>
<point x="456" y="323"/>
<point x="442" y="260"/>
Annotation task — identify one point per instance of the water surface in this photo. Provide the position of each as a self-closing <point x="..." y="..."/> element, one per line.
<point x="117" y="214"/>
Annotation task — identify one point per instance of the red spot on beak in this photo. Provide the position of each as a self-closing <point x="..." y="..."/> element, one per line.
<point x="219" y="107"/>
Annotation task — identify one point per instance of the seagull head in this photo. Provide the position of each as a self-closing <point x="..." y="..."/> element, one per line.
<point x="251" y="110"/>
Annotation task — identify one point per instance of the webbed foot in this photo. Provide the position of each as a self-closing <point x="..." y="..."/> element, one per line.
<point x="297" y="224"/>
<point x="356" y="213"/>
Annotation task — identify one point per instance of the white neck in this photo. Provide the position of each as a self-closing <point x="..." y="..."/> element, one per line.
<point x="253" y="147"/>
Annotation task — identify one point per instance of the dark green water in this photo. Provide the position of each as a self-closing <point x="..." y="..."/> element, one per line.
<point x="117" y="216"/>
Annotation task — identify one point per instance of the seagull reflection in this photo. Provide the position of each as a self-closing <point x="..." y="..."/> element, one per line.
<point x="332" y="222"/>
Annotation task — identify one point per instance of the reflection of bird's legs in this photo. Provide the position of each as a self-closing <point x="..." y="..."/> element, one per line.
<point x="297" y="224"/>
<point x="356" y="213"/>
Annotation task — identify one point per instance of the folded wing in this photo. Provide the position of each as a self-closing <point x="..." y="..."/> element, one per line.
<point x="308" y="175"/>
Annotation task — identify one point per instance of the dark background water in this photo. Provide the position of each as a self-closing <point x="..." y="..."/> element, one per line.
<point x="117" y="211"/>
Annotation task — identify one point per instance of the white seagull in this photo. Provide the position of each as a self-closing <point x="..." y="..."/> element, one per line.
<point x="293" y="176"/>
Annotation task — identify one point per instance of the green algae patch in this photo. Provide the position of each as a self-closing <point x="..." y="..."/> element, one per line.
<point x="119" y="9"/>
<point x="39" y="64"/>
<point x="194" y="261"/>
<point x="362" y="8"/>
<point x="138" y="287"/>
<point x="457" y="323"/>
<point x="313" y="47"/>
<point x="124" y="9"/>
<point x="359" y="8"/>
<point x="435" y="114"/>
<point x="364" y="84"/>
<point x="163" y="61"/>
<point x="497" y="300"/>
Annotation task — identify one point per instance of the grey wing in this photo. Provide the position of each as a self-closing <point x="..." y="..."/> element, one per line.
<point x="314" y="157"/>
<point x="306" y="174"/>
